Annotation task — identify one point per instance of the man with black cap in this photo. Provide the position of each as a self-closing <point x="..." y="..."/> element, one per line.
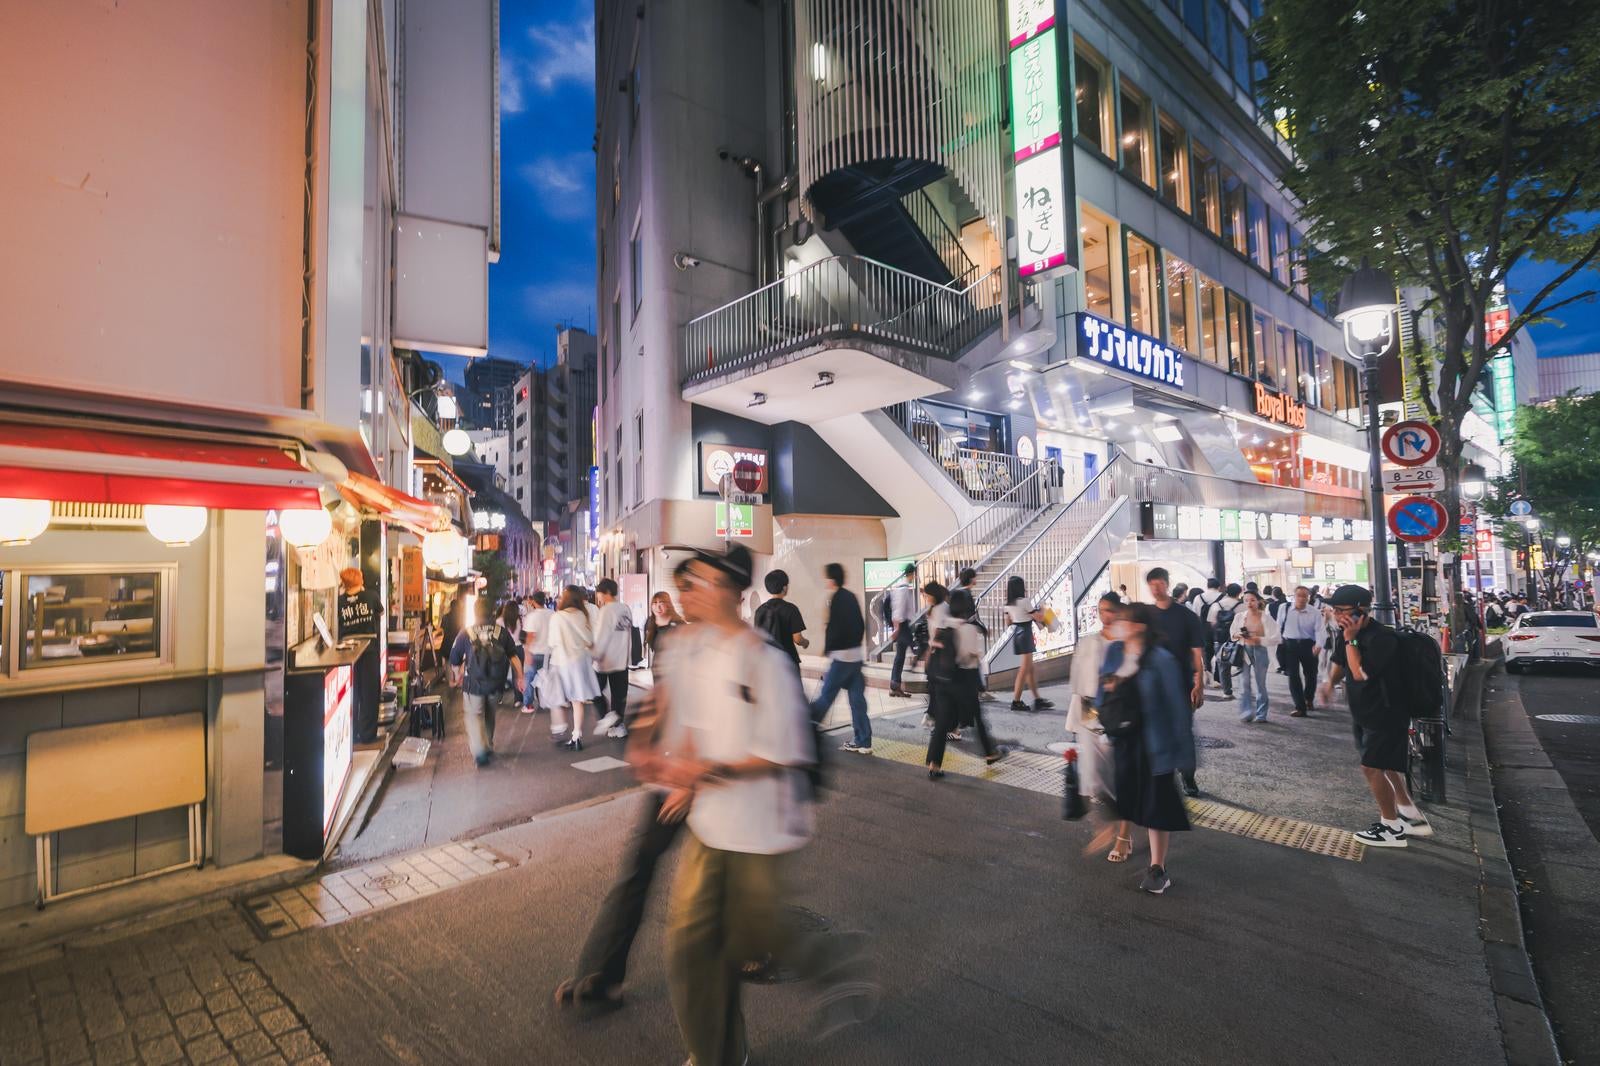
<point x="1366" y="652"/>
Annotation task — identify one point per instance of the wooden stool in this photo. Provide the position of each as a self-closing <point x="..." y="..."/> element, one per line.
<point x="430" y="708"/>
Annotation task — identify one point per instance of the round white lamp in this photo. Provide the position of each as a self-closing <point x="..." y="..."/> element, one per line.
<point x="22" y="520"/>
<point x="174" y="525"/>
<point x="441" y="548"/>
<point x="456" y="441"/>
<point x="305" y="527"/>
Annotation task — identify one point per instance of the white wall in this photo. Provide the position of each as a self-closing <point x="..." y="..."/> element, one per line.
<point x="152" y="175"/>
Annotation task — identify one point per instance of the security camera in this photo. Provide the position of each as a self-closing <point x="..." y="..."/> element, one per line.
<point x="684" y="262"/>
<point x="723" y="154"/>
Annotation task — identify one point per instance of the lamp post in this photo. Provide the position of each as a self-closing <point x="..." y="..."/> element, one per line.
<point x="1474" y="484"/>
<point x="1530" y="529"/>
<point x="1367" y="306"/>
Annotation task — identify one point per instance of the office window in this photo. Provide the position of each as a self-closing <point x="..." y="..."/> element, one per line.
<point x="616" y="328"/>
<point x="638" y="458"/>
<point x="633" y="98"/>
<point x="1100" y="260"/>
<point x="1207" y="189"/>
<point x="1305" y="358"/>
<point x="1142" y="285"/>
<point x="1278" y="230"/>
<point x="1261" y="337"/>
<point x="1257" y="231"/>
<point x="1182" y="311"/>
<point x="1194" y="17"/>
<point x="1239" y="53"/>
<point x="1352" y="390"/>
<point x="1324" y="379"/>
<point x="1217" y="30"/>
<point x="1239" y="336"/>
<point x="1173" y="149"/>
<point x="635" y="268"/>
<point x="1213" y="321"/>
<point x="1092" y="98"/>
<point x="519" y="469"/>
<point x="1234" y="229"/>
<point x="1297" y="265"/>
<point x="1283" y="351"/>
<point x="1137" y="158"/>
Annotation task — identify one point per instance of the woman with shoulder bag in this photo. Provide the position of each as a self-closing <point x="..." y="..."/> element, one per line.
<point x="1146" y="712"/>
<point x="1023" y="617"/>
<point x="1255" y="630"/>
<point x="953" y="669"/>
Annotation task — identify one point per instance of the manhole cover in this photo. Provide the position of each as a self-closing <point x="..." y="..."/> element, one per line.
<point x="387" y="881"/>
<point x="1570" y="719"/>
<point x="773" y="971"/>
<point x="1212" y="742"/>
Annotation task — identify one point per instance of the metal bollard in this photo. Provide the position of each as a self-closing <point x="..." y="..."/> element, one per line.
<point x="1425" y="770"/>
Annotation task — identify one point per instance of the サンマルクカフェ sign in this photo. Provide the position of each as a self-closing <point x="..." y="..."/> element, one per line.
<point x="718" y="460"/>
<point x="1116" y="346"/>
<point x="1279" y="407"/>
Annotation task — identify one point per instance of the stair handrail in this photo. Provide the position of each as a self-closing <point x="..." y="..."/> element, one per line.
<point x="924" y="214"/>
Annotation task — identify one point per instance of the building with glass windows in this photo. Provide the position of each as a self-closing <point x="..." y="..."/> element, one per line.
<point x="1005" y="284"/>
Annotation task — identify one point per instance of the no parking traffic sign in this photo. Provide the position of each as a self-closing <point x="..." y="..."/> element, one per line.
<point x="1417" y="519"/>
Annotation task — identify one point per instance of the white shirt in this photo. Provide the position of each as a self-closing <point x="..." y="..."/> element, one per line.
<point x="969" y="645"/>
<point x="733" y="698"/>
<point x="612" y="637"/>
<point x="1019" y="612"/>
<point x="938" y="617"/>
<point x="1302" y="623"/>
<point x="903" y="602"/>
<point x="1263" y="627"/>
<point x="570" y="638"/>
<point x="536" y="630"/>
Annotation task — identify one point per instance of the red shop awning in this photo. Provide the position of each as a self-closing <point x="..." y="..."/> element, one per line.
<point x="374" y="497"/>
<point x="92" y="465"/>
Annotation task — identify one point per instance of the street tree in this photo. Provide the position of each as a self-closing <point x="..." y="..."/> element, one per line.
<point x="1448" y="141"/>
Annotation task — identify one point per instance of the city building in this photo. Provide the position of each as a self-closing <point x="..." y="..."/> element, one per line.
<point x="1068" y="349"/>
<point x="493" y="449"/>
<point x="500" y="530"/>
<point x="218" y="409"/>
<point x="1561" y="374"/>
<point x="486" y="397"/>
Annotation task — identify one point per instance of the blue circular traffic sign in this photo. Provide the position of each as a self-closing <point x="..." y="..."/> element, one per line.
<point x="1417" y="518"/>
<point x="1521" y="508"/>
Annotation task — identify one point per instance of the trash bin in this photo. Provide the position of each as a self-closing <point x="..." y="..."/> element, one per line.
<point x="1425" y="772"/>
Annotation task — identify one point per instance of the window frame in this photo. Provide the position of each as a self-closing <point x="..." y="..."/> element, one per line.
<point x="1145" y="133"/>
<point x="1217" y="353"/>
<point x="635" y="268"/>
<point x="1088" y="213"/>
<point x="1157" y="310"/>
<point x="1235" y="225"/>
<point x="1180" y="199"/>
<point x="1256" y="232"/>
<point x="1107" y="109"/>
<point x="1191" y="307"/>
<point x="1202" y="176"/>
<point x="14" y="622"/>
<point x="1278" y="247"/>
<point x="1246" y="366"/>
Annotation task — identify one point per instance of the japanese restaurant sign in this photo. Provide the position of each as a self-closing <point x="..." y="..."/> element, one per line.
<point x="1036" y="136"/>
<point x="1279" y="407"/>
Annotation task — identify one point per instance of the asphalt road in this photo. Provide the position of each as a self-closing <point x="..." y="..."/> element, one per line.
<point x="1547" y="780"/>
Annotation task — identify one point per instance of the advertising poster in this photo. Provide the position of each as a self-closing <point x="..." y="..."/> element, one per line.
<point x="337" y="735"/>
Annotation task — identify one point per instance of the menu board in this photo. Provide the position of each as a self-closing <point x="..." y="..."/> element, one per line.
<point x="1210" y="523"/>
<point x="1230" y="524"/>
<point x="1188" y="523"/>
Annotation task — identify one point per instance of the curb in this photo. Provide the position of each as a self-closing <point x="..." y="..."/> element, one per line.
<point x="1525" y="1031"/>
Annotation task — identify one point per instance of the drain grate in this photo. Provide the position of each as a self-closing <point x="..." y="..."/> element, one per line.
<point x="1570" y="719"/>
<point x="387" y="882"/>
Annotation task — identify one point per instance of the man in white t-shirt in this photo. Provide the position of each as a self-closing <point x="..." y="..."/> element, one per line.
<point x="613" y="643"/>
<point x="739" y="734"/>
<point x="536" y="614"/>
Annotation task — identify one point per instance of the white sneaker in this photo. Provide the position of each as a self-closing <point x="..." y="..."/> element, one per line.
<point x="1379" y="835"/>
<point x="609" y="720"/>
<point x="617" y="732"/>
<point x="1418" y="826"/>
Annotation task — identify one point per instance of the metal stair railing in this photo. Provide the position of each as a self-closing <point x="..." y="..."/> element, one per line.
<point x="944" y="241"/>
<point x="983" y="476"/>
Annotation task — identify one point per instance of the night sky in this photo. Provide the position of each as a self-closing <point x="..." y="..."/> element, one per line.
<point x="546" y="273"/>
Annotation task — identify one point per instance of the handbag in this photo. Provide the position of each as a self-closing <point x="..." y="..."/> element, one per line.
<point x="1121" y="710"/>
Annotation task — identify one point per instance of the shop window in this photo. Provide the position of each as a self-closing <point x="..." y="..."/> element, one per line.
<point x="1137" y="159"/>
<point x="1092" y="98"/>
<point x="1262" y="336"/>
<point x="1173" y="149"/>
<point x="1213" y="321"/>
<point x="1142" y="285"/>
<point x="1100" y="260"/>
<point x="1306" y="368"/>
<point x="1234" y="228"/>
<point x="1182" y="312"/>
<point x="1297" y="265"/>
<point x="1324" y="379"/>
<point x="1284" y="352"/>
<point x="1278" y="232"/>
<point x="1239" y="336"/>
<point x="90" y="617"/>
<point x="1256" y="218"/>
<point x="1207" y="189"/>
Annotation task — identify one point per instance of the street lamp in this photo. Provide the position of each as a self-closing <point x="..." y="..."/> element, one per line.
<point x="1367" y="305"/>
<point x="1474" y="484"/>
<point x="1563" y="541"/>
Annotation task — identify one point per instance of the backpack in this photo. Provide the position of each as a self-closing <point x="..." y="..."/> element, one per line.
<point x="1414" y="682"/>
<point x="1121" y="709"/>
<point x="1206" y="606"/>
<point x="886" y="607"/>
<point x="1223" y="626"/>
<point x="488" y="663"/>
<point x="1230" y="660"/>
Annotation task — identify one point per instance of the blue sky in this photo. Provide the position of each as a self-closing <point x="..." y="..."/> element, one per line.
<point x="547" y="261"/>
<point x="1579" y="328"/>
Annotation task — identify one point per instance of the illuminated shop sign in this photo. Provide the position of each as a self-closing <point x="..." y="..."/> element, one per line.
<point x="1279" y="407"/>
<point x="337" y="734"/>
<point x="1026" y="19"/>
<point x="1035" y="97"/>
<point x="1035" y="92"/>
<point x="1135" y="353"/>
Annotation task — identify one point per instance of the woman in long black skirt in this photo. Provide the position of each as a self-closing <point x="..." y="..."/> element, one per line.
<point x="956" y="652"/>
<point x="1145" y="760"/>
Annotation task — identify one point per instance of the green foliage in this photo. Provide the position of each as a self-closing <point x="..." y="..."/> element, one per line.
<point x="1557" y="451"/>
<point x="496" y="574"/>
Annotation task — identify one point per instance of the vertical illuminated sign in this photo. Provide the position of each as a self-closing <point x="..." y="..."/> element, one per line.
<point x="1036" y="137"/>
<point x="1502" y="370"/>
<point x="594" y="515"/>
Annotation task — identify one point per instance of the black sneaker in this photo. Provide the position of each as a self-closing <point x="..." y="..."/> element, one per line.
<point x="1418" y="826"/>
<point x="1155" y="881"/>
<point x="1018" y="705"/>
<point x="1191" y="787"/>
<point x="1041" y="703"/>
<point x="1378" y="835"/>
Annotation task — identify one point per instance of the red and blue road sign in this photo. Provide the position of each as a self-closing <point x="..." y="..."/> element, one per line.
<point x="1417" y="519"/>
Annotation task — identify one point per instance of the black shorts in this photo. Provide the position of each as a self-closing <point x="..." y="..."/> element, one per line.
<point x="1383" y="748"/>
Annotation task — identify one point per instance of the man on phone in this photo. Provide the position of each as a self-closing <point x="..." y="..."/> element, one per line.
<point x="1365" y="652"/>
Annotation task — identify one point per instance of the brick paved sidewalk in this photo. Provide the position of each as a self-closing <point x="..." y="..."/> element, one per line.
<point x="187" y="993"/>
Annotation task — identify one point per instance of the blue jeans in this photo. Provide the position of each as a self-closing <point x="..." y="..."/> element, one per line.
<point x="846" y="676"/>
<point x="1253" y="684"/>
<point x="902" y="646"/>
<point x="535" y="664"/>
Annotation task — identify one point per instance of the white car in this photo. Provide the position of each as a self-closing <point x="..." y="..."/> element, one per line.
<point x="1552" y="637"/>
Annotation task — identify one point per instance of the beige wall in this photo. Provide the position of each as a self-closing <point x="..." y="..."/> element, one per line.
<point x="152" y="173"/>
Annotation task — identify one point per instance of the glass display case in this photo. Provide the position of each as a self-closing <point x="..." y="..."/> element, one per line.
<point x="78" y="617"/>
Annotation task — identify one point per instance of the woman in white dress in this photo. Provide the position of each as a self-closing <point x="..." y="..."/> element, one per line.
<point x="568" y="678"/>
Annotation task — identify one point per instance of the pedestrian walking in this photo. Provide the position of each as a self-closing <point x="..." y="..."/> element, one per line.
<point x="1257" y="634"/>
<point x="1023" y="616"/>
<point x="613" y="647"/>
<point x="902" y="600"/>
<point x="1203" y="606"/>
<point x="569" y="678"/>
<point x="482" y="657"/>
<point x="511" y="619"/>
<point x="956" y="650"/>
<point x="664" y="617"/>
<point x="780" y="619"/>
<point x="1183" y="635"/>
<point x="1366" y="655"/>
<point x="1277" y="603"/>
<point x="843" y="632"/>
<point x="741" y="741"/>
<point x="1096" y="768"/>
<point x="968" y="581"/>
<point x="1221" y="620"/>
<point x="1139" y="672"/>
<point x="1302" y="630"/>
<point x="536" y="644"/>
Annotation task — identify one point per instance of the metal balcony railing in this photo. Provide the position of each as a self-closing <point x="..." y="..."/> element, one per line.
<point x="836" y="298"/>
<point x="983" y="475"/>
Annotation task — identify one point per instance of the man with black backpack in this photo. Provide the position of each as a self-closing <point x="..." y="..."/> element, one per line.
<point x="1388" y="677"/>
<point x="1221" y="621"/>
<point x="482" y="656"/>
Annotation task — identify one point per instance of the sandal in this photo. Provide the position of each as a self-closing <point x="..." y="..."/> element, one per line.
<point x="587" y="991"/>
<point x="1121" y="850"/>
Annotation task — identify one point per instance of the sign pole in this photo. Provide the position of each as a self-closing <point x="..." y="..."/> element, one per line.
<point x="1382" y="605"/>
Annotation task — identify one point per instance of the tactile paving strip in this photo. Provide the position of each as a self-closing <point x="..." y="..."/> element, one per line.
<point x="1042" y="773"/>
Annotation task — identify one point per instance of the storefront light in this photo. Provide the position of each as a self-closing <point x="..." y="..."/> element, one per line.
<point x="442" y="548"/>
<point x="305" y="527"/>
<point x="22" y="520"/>
<point x="456" y="441"/>
<point x="173" y="525"/>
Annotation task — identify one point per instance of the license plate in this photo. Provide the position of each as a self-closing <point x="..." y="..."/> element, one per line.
<point x="1559" y="653"/>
